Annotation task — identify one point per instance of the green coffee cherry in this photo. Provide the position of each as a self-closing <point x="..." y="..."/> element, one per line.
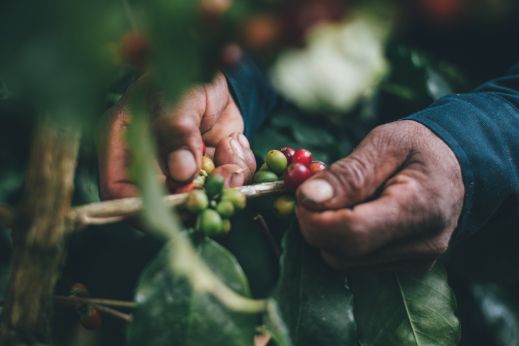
<point x="264" y="167"/>
<point x="284" y="205"/>
<point x="225" y="209"/>
<point x="214" y="185"/>
<point x="209" y="223"/>
<point x="226" y="226"/>
<point x="199" y="181"/>
<point x="237" y="198"/>
<point x="196" y="201"/>
<point x="264" y="177"/>
<point x="276" y="161"/>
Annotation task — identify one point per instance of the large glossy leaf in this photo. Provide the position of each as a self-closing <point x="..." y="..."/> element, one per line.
<point x="315" y="302"/>
<point x="405" y="309"/>
<point x="171" y="312"/>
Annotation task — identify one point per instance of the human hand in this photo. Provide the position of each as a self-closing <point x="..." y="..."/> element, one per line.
<point x="392" y="204"/>
<point x="205" y="114"/>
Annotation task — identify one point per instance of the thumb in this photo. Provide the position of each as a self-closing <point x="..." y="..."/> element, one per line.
<point x="357" y="177"/>
<point x="180" y="130"/>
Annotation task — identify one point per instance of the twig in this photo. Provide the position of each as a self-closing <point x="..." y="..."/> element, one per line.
<point x="107" y="212"/>
<point x="268" y="234"/>
<point x="117" y="210"/>
<point x="76" y="301"/>
<point x="97" y="301"/>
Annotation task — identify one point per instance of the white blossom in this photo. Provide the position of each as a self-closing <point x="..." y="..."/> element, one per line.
<point x="340" y="64"/>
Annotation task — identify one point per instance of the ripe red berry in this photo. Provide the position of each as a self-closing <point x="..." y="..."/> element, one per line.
<point x="91" y="319"/>
<point x="135" y="49"/>
<point x="295" y="175"/>
<point x="289" y="153"/>
<point x="302" y="156"/>
<point x="316" y="167"/>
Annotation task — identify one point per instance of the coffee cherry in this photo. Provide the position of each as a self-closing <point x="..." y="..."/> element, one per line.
<point x="214" y="185"/>
<point x="209" y="222"/>
<point x="284" y="205"/>
<point x="264" y="177"/>
<point x="276" y="161"/>
<point x="207" y="164"/>
<point x="295" y="175"/>
<point x="226" y="226"/>
<point x="90" y="318"/>
<point x="225" y="209"/>
<point x="78" y="290"/>
<point x="302" y="156"/>
<point x="289" y="153"/>
<point x="234" y="196"/>
<point x="316" y="167"/>
<point x="135" y="49"/>
<point x="196" y="201"/>
<point x="199" y="181"/>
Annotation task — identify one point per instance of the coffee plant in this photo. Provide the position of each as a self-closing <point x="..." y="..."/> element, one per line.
<point x="216" y="266"/>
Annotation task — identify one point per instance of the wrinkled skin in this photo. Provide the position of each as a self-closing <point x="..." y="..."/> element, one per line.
<point x="392" y="204"/>
<point x="206" y="113"/>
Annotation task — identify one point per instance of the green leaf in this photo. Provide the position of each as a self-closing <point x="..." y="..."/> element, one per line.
<point x="315" y="302"/>
<point x="405" y="309"/>
<point x="170" y="311"/>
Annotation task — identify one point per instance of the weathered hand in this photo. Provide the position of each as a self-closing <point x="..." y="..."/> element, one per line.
<point x="392" y="204"/>
<point x="206" y="113"/>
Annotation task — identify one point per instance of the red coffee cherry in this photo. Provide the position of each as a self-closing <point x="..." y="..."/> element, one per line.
<point x="91" y="318"/>
<point x="289" y="153"/>
<point x="295" y="175"/>
<point x="316" y="167"/>
<point x="302" y="156"/>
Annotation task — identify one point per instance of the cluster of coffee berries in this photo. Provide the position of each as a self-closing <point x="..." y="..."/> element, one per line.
<point x="214" y="206"/>
<point x="294" y="167"/>
<point x="206" y="169"/>
<point x="89" y="316"/>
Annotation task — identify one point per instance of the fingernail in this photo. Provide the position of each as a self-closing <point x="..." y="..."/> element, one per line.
<point x="237" y="148"/>
<point x="316" y="191"/>
<point x="243" y="141"/>
<point x="182" y="165"/>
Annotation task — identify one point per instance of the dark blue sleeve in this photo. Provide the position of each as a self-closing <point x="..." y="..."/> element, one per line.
<point x="482" y="129"/>
<point x="253" y="93"/>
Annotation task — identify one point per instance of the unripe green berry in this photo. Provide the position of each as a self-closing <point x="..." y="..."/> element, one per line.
<point x="226" y="226"/>
<point x="264" y="177"/>
<point x="264" y="167"/>
<point x="277" y="161"/>
<point x="209" y="223"/>
<point x="284" y="205"/>
<point x="237" y="198"/>
<point x="225" y="209"/>
<point x="214" y="185"/>
<point x="196" y="201"/>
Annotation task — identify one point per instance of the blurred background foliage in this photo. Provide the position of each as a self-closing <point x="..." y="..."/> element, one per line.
<point x="74" y="59"/>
